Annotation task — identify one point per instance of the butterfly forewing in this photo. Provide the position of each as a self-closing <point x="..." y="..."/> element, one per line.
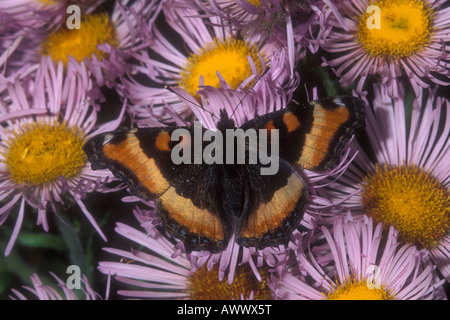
<point x="313" y="135"/>
<point x="187" y="205"/>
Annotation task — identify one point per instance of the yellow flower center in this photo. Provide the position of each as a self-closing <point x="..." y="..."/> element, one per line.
<point x="255" y="3"/>
<point x="95" y="29"/>
<point x="358" y="290"/>
<point x="405" y="28"/>
<point x="47" y="2"/>
<point x="412" y="201"/>
<point x="41" y="153"/>
<point x="229" y="58"/>
<point x="205" y="285"/>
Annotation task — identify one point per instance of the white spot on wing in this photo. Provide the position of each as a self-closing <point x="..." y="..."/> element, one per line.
<point x="338" y="101"/>
<point x="108" y="138"/>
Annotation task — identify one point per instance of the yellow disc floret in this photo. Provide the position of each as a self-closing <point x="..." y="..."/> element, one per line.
<point x="255" y="3"/>
<point x="229" y="58"/>
<point x="40" y="153"/>
<point x="404" y="28"/>
<point x="48" y="2"/>
<point x="358" y="290"/>
<point x="411" y="200"/>
<point x="95" y="29"/>
<point x="205" y="285"/>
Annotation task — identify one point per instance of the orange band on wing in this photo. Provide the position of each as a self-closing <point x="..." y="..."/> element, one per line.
<point x="327" y="122"/>
<point x="162" y="141"/>
<point x="129" y="154"/>
<point x="317" y="141"/>
<point x="270" y="215"/>
<point x="269" y="126"/>
<point x="199" y="221"/>
<point x="291" y="121"/>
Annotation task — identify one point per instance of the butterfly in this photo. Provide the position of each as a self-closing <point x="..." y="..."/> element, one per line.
<point x="205" y="204"/>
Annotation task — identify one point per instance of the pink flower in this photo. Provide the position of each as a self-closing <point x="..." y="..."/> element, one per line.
<point x="43" y="291"/>
<point x="356" y="262"/>
<point x="214" y="58"/>
<point x="38" y="16"/>
<point x="405" y="185"/>
<point x="45" y="119"/>
<point x="154" y="272"/>
<point x="107" y="41"/>
<point x="410" y="43"/>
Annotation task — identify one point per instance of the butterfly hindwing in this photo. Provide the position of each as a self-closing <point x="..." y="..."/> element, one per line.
<point x="191" y="210"/>
<point x="276" y="207"/>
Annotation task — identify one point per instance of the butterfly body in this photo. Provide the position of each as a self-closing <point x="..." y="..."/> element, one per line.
<point x="205" y="204"/>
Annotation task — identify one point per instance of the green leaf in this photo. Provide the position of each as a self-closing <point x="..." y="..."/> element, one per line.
<point x="5" y="281"/>
<point x="41" y="240"/>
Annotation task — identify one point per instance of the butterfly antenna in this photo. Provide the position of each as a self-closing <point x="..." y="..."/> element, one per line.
<point x="194" y="102"/>
<point x="248" y="91"/>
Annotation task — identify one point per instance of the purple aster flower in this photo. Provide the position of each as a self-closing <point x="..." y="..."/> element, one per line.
<point x="62" y="291"/>
<point x="241" y="13"/>
<point x="44" y="122"/>
<point x="273" y="18"/>
<point x="22" y="72"/>
<point x="38" y="15"/>
<point x="107" y="40"/>
<point x="296" y="21"/>
<point x="407" y="184"/>
<point x="217" y="57"/>
<point x="155" y="273"/>
<point x="356" y="263"/>
<point x="395" y="41"/>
